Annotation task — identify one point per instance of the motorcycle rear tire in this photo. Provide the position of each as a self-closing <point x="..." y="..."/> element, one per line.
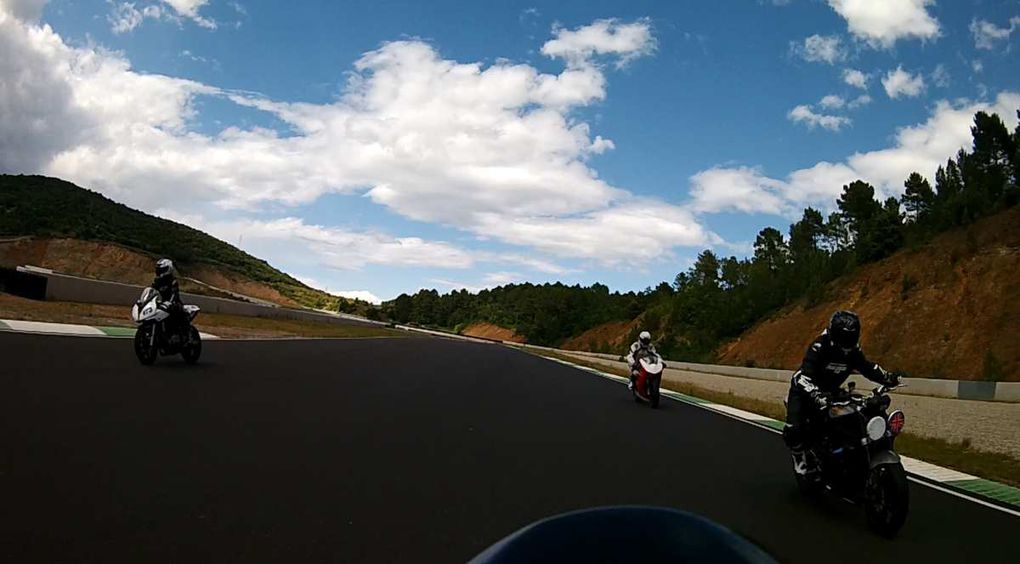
<point x="886" y="499"/>
<point x="145" y="349"/>
<point x="193" y="348"/>
<point x="654" y="399"/>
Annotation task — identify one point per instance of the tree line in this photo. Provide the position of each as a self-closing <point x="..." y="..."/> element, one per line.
<point x="720" y="297"/>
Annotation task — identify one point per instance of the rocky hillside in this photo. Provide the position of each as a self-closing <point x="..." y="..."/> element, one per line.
<point x="949" y="309"/>
<point x="77" y="231"/>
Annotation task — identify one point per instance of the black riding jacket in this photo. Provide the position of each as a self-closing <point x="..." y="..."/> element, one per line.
<point x="168" y="289"/>
<point x="826" y="367"/>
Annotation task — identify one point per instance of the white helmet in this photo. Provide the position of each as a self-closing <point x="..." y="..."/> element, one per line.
<point x="645" y="337"/>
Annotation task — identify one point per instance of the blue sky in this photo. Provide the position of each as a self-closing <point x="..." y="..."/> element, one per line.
<point x="383" y="146"/>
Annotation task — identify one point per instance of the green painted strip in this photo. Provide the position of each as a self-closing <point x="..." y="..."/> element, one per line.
<point x="118" y="331"/>
<point x="777" y="425"/>
<point x="990" y="489"/>
<point x="4" y="327"/>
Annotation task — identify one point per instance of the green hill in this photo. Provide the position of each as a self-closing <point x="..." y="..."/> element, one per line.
<point x="52" y="208"/>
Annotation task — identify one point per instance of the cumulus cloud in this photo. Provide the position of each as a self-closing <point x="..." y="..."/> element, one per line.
<point x="820" y="49"/>
<point x="921" y="148"/>
<point x="189" y="9"/>
<point x="862" y="100"/>
<point x="880" y="23"/>
<point x="899" y="83"/>
<point x="832" y="101"/>
<point x="987" y="35"/>
<point x="363" y="295"/>
<point x="805" y="114"/>
<point x="126" y="16"/>
<point x="333" y="247"/>
<point x="855" y="78"/>
<point x="609" y="37"/>
<point x="495" y="151"/>
<point x="24" y="10"/>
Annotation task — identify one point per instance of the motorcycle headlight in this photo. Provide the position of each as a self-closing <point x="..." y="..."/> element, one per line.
<point x="896" y="422"/>
<point x="876" y="428"/>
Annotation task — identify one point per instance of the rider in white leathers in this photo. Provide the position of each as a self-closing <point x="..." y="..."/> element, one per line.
<point x="639" y="348"/>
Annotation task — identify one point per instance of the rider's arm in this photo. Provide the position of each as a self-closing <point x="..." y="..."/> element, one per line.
<point x="870" y="370"/>
<point x="804" y="377"/>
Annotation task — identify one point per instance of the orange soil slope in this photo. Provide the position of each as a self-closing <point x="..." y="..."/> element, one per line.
<point x="609" y="337"/>
<point x="107" y="261"/>
<point x="490" y="331"/>
<point x="950" y="309"/>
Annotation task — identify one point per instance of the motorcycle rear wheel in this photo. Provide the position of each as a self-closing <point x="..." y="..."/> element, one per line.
<point x="886" y="499"/>
<point x="193" y="348"/>
<point x="145" y="348"/>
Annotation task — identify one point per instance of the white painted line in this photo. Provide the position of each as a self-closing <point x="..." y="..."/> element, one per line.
<point x="933" y="472"/>
<point x="54" y="328"/>
<point x="911" y="465"/>
<point x="740" y="413"/>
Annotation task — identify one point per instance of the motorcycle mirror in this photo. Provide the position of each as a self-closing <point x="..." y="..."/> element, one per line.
<point x="851" y="386"/>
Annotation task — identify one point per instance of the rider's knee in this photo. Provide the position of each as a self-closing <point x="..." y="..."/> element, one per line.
<point x="793" y="436"/>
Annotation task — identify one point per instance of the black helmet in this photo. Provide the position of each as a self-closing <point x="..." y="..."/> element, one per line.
<point x="164" y="269"/>
<point x="844" y="330"/>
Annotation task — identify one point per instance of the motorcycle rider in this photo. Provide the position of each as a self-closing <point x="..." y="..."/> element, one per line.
<point x="642" y="347"/>
<point x="828" y="362"/>
<point x="169" y="293"/>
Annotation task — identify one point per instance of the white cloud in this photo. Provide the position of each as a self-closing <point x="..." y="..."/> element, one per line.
<point x="363" y="295"/>
<point x="921" y="148"/>
<point x="804" y="114"/>
<point x="855" y="78"/>
<point x="24" y="10"/>
<point x="331" y="247"/>
<point x="899" y="83"/>
<point x="126" y="17"/>
<point x="987" y="35"/>
<point x="940" y="76"/>
<point x="627" y="41"/>
<point x="977" y="65"/>
<point x="492" y="150"/>
<point x="820" y="49"/>
<point x="189" y="9"/>
<point x="832" y="101"/>
<point x="881" y="23"/>
<point x="736" y="189"/>
<point x="862" y="100"/>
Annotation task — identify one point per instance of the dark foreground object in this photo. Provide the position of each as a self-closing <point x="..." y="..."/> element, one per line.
<point x="384" y="450"/>
<point x="624" y="534"/>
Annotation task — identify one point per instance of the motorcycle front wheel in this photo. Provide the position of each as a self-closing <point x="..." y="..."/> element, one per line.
<point x="193" y="348"/>
<point x="145" y="347"/>
<point x="886" y="499"/>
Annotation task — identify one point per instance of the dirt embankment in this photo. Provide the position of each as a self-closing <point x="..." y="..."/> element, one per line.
<point x="612" y="337"/>
<point x="950" y="309"/>
<point x="107" y="261"/>
<point x="490" y="331"/>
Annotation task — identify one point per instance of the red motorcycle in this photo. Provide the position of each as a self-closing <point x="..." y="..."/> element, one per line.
<point x="646" y="376"/>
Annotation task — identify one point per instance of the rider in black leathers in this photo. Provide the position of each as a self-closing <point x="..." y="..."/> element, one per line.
<point x="828" y="362"/>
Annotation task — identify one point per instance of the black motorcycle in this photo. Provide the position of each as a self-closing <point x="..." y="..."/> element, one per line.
<point x="156" y="336"/>
<point x="850" y="453"/>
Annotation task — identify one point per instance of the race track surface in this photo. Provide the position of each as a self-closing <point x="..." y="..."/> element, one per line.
<point x="383" y="450"/>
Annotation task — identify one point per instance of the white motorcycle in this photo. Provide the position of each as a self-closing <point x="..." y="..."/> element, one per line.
<point x="154" y="337"/>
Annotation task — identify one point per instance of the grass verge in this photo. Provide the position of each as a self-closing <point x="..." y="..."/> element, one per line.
<point x="956" y="455"/>
<point x="13" y="307"/>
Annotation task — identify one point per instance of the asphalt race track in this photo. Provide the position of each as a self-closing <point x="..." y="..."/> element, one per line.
<point x="383" y="450"/>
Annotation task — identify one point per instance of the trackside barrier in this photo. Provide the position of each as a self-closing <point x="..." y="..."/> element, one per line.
<point x="66" y="288"/>
<point x="951" y="389"/>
